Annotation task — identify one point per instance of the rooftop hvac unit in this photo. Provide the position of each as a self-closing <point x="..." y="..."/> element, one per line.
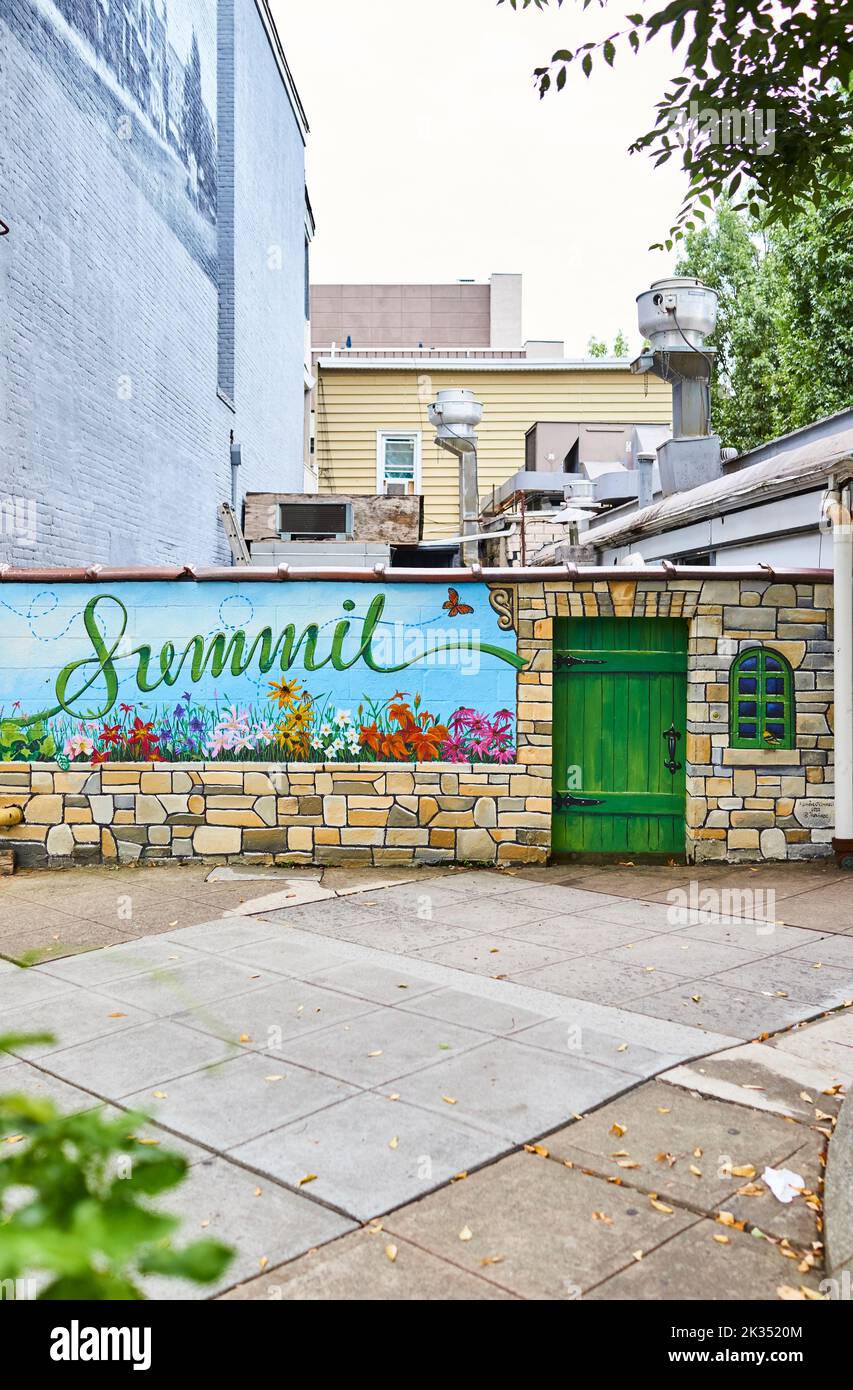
<point x="676" y="313"/>
<point x="315" y="520"/>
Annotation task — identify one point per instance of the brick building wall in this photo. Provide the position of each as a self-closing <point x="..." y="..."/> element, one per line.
<point x="110" y="279"/>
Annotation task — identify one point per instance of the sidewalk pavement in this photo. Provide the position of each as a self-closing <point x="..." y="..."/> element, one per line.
<point x="347" y="1050"/>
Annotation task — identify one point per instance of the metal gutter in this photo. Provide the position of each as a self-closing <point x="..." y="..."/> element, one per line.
<point x="255" y="574"/>
<point x="474" y="364"/>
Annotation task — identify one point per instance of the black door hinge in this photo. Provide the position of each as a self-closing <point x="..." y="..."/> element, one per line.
<point x="563" y="800"/>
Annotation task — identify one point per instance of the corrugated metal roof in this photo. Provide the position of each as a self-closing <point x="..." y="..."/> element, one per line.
<point x="789" y="471"/>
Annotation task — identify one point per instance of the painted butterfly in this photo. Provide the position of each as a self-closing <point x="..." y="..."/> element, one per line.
<point x="453" y="606"/>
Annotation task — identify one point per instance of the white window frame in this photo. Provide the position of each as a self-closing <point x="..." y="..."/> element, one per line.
<point x="381" y="436"/>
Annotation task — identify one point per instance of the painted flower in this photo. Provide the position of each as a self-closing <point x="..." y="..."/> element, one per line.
<point x="326" y="731"/>
<point x="501" y="753"/>
<point x="78" y="746"/>
<point x="215" y="745"/>
<point x="264" y="733"/>
<point x="179" y="711"/>
<point x="343" y="717"/>
<point x="284" y="692"/>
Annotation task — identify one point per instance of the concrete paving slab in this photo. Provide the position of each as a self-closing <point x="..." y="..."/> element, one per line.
<point x="224" y="934"/>
<point x="118" y="962"/>
<point x="824" y="987"/>
<point x="760" y="938"/>
<point x="295" y="894"/>
<point x="598" y="979"/>
<point x="272" y="1227"/>
<point x="148" y="1056"/>
<point x="838" y="1208"/>
<point x="560" y="899"/>
<point x="639" y="915"/>
<point x="479" y="915"/>
<point x="575" y="935"/>
<point x="20" y="988"/>
<point x="268" y="1018"/>
<point x="794" y="1221"/>
<point x="824" y="1042"/>
<point x="282" y="955"/>
<point x="349" y="1148"/>
<point x="331" y="913"/>
<point x="169" y="990"/>
<point x="496" y="956"/>
<point x="659" y="1120"/>
<point x="829" y="907"/>
<point x="678" y="955"/>
<point x="592" y="1045"/>
<point x="372" y="982"/>
<point x="391" y="934"/>
<point x="514" y="1089"/>
<point x="537" y="1221"/>
<point x="380" y="1046"/>
<point x="719" y="1007"/>
<point x="32" y="939"/>
<point x="227" y="1105"/>
<point x="75" y="1016"/>
<point x="695" y="1266"/>
<point x="482" y="883"/>
<point x="357" y="1268"/>
<point x="22" y="1079"/>
<point x="764" y="1078"/>
<point x="491" y="1016"/>
<point x="831" y="950"/>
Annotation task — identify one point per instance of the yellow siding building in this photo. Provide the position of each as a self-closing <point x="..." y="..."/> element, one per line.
<point x="371" y="413"/>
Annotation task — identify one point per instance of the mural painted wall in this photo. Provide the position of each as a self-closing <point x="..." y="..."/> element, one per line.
<point x="146" y="70"/>
<point x="160" y="671"/>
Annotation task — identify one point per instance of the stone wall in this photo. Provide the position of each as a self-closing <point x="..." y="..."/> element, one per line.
<point x="742" y="804"/>
<point x="366" y="813"/>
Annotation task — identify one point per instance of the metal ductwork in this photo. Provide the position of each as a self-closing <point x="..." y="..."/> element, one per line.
<point x="456" y="415"/>
<point x="675" y="316"/>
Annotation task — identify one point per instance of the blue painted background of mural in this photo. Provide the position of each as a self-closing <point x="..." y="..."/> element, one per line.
<point x="256" y="672"/>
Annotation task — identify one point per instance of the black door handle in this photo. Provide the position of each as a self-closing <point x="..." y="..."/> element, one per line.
<point x="672" y="735"/>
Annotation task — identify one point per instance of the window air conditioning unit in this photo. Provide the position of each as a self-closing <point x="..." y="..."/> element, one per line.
<point x="315" y="520"/>
<point x="400" y="489"/>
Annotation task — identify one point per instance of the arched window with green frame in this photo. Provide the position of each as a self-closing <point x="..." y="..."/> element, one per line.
<point x="762" y="712"/>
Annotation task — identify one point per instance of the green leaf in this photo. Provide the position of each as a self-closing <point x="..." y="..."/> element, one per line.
<point x="203" y="1261"/>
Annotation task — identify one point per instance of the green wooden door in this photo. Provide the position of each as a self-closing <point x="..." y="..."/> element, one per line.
<point x="620" y="703"/>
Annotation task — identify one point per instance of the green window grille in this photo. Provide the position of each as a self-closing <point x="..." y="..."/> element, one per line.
<point x="761" y="700"/>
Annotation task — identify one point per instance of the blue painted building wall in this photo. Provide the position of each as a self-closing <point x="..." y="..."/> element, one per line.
<point x="132" y="228"/>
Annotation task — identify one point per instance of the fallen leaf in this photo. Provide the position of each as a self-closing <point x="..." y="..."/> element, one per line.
<point x="391" y="1252"/>
<point x="697" y="998"/>
<point x="628" y="1163"/>
<point x="725" y="1218"/>
<point x="116" y="1015"/>
<point x="637" y="1254"/>
<point x="205" y="1223"/>
<point x="697" y="1172"/>
<point x="459" y="1177"/>
<point x="395" y="1095"/>
<point x="449" y="1100"/>
<point x="160" y="1095"/>
<point x="618" y="1130"/>
<point x="492" y="1260"/>
<point x="743" y="1170"/>
<point x="466" y="1233"/>
<point x="603" y="1218"/>
<point x="663" y="1109"/>
<point x="623" y="1047"/>
<point x="393" y="1143"/>
<point x="722" y="1240"/>
<point x="788" y="1294"/>
<point x="309" y="1177"/>
<point x="377" y="1053"/>
<point x="152" y="1143"/>
<point x="274" y="1078"/>
<point x="259" y="1191"/>
<point x="538" y="1149"/>
<point x="263" y="1262"/>
<point x="244" y="1037"/>
<point x="661" y="1206"/>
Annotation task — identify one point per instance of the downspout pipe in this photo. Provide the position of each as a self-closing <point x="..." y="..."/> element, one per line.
<point x="841" y="514"/>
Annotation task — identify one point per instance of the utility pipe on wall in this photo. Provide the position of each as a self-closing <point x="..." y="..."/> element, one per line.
<point x="841" y="515"/>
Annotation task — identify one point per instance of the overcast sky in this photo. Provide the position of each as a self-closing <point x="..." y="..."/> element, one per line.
<point x="432" y="157"/>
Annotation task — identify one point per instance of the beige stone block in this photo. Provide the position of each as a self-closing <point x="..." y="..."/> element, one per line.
<point x="102" y="809"/>
<point x="718" y="786"/>
<point x="335" y="810"/>
<point x="155" y="782"/>
<point x="522" y="854"/>
<point x="160" y="835"/>
<point x="244" y="818"/>
<point x="182" y="782"/>
<point x="43" y="810"/>
<point x="74" y="782"/>
<point x="229" y="803"/>
<point x="149" y="810"/>
<point x="108" y="844"/>
<point x="785" y="806"/>
<point x="744" y="781"/>
<point x="175" y="805"/>
<point x="182" y="832"/>
<point x="217" y="839"/>
<point x="743" y="839"/>
<point x="300" y="837"/>
<point x="195" y="805"/>
<point x="476" y="846"/>
<point x="485" y="812"/>
<point x="698" y="748"/>
<point x="697" y="810"/>
<point x="87" y="834"/>
<point x="41" y="781"/>
<point x="60" y="841"/>
<point x="757" y="820"/>
<point x="400" y="782"/>
<point x="427" y="809"/>
<point x="398" y="836"/>
<point x="324" y="835"/>
<point x="442" y="839"/>
<point x="123" y="817"/>
<point x="379" y="817"/>
<point x="78" y="815"/>
<point x="258" y="784"/>
<point x="362" y="836"/>
<point x="110" y="777"/>
<point x="220" y="778"/>
<point x="531" y="756"/>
